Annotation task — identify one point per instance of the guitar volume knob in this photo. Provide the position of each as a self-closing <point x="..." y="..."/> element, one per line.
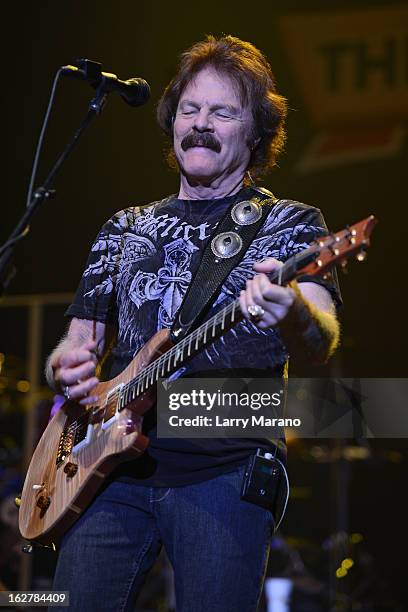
<point x="43" y="502"/>
<point x="71" y="469"/>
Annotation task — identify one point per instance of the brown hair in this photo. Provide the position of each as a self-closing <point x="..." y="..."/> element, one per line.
<point x="252" y="73"/>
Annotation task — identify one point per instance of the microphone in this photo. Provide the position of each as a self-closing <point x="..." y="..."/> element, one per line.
<point x="134" y="91"/>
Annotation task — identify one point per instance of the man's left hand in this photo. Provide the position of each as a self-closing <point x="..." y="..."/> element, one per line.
<point x="276" y="301"/>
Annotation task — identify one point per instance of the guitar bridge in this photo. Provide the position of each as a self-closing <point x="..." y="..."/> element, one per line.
<point x="75" y="435"/>
<point x="66" y="442"/>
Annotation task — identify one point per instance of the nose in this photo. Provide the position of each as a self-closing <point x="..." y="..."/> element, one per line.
<point x="202" y="121"/>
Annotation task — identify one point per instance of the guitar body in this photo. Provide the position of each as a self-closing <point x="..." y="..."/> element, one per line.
<point x="66" y="472"/>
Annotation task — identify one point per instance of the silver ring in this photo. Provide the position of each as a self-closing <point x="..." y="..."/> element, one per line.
<point x="256" y="312"/>
<point x="79" y="381"/>
<point x="66" y="392"/>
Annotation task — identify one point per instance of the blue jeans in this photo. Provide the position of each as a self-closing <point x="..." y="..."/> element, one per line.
<point x="217" y="544"/>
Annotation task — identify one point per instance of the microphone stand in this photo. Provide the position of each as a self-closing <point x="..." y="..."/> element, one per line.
<point x="45" y="192"/>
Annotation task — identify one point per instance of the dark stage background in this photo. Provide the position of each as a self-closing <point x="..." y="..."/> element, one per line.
<point x="344" y="68"/>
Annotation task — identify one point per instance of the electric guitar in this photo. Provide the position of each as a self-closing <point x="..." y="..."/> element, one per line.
<point x="80" y="447"/>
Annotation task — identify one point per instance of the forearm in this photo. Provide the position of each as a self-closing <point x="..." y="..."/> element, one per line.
<point x="308" y="331"/>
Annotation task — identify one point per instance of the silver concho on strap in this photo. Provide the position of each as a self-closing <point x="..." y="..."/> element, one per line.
<point x="226" y="245"/>
<point x="246" y="212"/>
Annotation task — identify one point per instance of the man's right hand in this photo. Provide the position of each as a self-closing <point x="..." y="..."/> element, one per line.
<point x="74" y="373"/>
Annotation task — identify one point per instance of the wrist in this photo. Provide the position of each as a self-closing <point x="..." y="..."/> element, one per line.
<point x="300" y="313"/>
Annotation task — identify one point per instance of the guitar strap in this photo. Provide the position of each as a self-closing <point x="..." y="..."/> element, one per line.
<point x="225" y="249"/>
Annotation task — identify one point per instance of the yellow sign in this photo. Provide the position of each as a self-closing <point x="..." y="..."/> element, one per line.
<point x="351" y="66"/>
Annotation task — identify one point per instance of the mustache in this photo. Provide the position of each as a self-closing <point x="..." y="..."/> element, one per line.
<point x="205" y="139"/>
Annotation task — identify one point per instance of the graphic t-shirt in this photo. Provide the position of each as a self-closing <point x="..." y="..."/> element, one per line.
<point x="137" y="274"/>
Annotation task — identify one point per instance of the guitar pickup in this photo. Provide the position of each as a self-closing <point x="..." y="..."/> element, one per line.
<point x="83" y="433"/>
<point x="111" y="410"/>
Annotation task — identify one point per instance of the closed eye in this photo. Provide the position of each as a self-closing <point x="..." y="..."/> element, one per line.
<point x="223" y="115"/>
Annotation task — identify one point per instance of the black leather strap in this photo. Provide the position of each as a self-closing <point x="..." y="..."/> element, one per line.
<point x="214" y="269"/>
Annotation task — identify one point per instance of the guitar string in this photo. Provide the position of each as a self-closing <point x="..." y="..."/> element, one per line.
<point x="198" y="334"/>
<point x="218" y="318"/>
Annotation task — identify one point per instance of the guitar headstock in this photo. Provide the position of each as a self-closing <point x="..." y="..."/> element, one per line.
<point x="336" y="249"/>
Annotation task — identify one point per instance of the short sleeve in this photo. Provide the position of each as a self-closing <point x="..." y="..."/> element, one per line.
<point x="95" y="298"/>
<point x="310" y="224"/>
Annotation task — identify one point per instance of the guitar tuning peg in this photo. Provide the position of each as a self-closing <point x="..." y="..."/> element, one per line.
<point x="361" y="256"/>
